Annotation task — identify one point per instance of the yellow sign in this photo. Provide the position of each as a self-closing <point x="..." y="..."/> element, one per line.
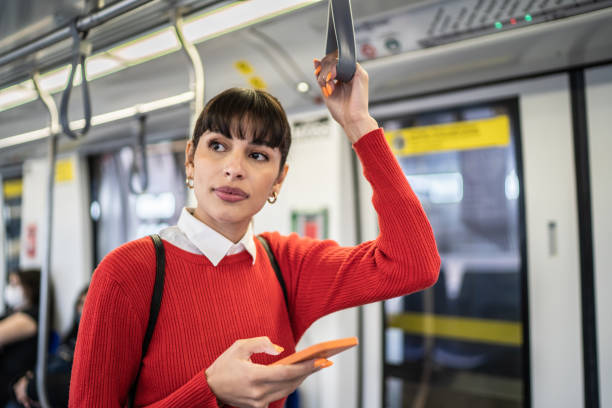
<point x="243" y="67"/>
<point x="13" y="188"/>
<point x="64" y="170"/>
<point x="466" y="135"/>
<point x="257" y="82"/>
<point x="460" y="328"/>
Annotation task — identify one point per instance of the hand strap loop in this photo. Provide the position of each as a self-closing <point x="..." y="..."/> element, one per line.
<point x="341" y="37"/>
<point x="80" y="50"/>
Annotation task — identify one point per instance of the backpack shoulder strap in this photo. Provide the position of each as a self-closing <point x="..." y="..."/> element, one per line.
<point x="277" y="270"/>
<point x="158" y="290"/>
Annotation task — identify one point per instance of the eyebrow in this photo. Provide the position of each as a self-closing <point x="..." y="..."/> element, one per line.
<point x="260" y="142"/>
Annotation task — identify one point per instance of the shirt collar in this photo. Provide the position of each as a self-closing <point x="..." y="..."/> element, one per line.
<point x="211" y="243"/>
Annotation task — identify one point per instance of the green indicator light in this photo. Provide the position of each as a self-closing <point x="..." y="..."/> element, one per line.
<point x="528" y="17"/>
<point x="498" y="25"/>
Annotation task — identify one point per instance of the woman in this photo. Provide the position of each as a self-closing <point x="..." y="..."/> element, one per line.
<point x="58" y="368"/>
<point x="223" y="317"/>
<point x="18" y="328"/>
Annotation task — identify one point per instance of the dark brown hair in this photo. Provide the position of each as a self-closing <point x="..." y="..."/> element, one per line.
<point x="30" y="282"/>
<point x="246" y="113"/>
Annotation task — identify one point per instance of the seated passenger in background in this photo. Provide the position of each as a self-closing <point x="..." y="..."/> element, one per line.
<point x="18" y="328"/>
<point x="59" y="367"/>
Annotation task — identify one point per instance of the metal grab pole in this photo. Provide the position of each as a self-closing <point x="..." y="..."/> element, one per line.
<point x="196" y="72"/>
<point x="83" y="24"/>
<point x="43" y="320"/>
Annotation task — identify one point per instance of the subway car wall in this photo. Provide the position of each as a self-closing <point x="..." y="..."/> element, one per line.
<point x="497" y="112"/>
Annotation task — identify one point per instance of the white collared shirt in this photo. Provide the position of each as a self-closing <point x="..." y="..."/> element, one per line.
<point x="192" y="235"/>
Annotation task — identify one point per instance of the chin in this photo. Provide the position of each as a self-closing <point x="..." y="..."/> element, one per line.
<point x="233" y="217"/>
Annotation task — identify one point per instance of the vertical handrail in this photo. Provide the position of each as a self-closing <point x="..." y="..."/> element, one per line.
<point x="196" y="71"/>
<point x="43" y="319"/>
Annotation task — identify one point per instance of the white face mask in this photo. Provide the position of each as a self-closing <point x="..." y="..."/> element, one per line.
<point x="13" y="296"/>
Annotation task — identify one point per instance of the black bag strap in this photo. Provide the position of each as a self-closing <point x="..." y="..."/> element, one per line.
<point x="277" y="270"/>
<point x="158" y="290"/>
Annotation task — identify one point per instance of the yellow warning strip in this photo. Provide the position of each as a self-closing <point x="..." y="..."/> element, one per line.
<point x="13" y="188"/>
<point x="460" y="328"/>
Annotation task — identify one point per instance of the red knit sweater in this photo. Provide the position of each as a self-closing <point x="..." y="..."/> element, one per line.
<point x="205" y="308"/>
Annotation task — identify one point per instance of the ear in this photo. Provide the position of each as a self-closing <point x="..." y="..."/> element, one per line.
<point x="189" y="154"/>
<point x="279" y="181"/>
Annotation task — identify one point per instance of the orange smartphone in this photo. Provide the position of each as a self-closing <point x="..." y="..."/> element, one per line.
<point x="321" y="350"/>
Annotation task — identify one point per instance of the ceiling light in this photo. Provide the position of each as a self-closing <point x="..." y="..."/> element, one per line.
<point x="99" y="65"/>
<point x="124" y="113"/>
<point x="16" y="95"/>
<point x="237" y="15"/>
<point x="56" y="80"/>
<point x="196" y="29"/>
<point x="303" y="87"/>
<point x="154" y="45"/>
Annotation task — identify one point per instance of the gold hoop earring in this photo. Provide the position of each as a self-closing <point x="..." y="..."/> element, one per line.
<point x="272" y="199"/>
<point x="189" y="183"/>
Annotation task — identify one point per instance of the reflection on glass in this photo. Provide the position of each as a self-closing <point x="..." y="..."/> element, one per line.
<point x="120" y="214"/>
<point x="460" y="343"/>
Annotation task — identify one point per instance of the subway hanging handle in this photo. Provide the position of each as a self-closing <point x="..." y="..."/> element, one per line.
<point x="80" y="50"/>
<point x="341" y="38"/>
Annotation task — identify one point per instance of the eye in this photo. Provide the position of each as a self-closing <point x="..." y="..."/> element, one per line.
<point x="216" y="146"/>
<point x="259" y="156"/>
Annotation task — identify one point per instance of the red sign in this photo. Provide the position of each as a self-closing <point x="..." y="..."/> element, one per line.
<point x="30" y="241"/>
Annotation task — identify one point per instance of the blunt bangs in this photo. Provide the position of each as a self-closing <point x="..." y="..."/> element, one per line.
<point x="246" y="114"/>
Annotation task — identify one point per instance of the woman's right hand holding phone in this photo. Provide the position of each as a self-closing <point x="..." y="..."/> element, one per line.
<point x="239" y="382"/>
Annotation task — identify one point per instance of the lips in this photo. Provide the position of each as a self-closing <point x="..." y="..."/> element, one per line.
<point x="230" y="194"/>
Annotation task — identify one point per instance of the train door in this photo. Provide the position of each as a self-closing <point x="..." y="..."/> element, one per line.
<point x="598" y="96"/>
<point x="493" y="167"/>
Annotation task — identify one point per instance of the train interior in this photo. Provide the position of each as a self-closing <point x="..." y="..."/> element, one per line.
<point x="499" y="114"/>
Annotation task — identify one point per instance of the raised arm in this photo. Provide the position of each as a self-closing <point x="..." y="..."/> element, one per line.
<point x="324" y="277"/>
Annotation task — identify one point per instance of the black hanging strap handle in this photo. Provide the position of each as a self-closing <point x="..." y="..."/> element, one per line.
<point x="80" y="50"/>
<point x="140" y="167"/>
<point x="158" y="290"/>
<point x="341" y="37"/>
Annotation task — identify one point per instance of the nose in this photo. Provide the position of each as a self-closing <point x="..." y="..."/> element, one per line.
<point x="234" y="166"/>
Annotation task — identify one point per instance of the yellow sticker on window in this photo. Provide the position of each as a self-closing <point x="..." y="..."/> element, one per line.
<point x="64" y="171"/>
<point x="243" y="67"/>
<point x="13" y="188"/>
<point x="257" y="82"/>
<point x="466" y="135"/>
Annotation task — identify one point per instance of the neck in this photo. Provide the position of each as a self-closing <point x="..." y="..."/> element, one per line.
<point x="232" y="231"/>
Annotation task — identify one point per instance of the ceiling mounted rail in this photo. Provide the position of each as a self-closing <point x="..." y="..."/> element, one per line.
<point x="83" y="24"/>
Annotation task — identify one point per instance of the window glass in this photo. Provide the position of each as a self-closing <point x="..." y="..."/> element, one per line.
<point x="460" y="343"/>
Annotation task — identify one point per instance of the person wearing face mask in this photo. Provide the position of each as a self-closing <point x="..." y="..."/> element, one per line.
<point x="59" y="367"/>
<point x="18" y="328"/>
